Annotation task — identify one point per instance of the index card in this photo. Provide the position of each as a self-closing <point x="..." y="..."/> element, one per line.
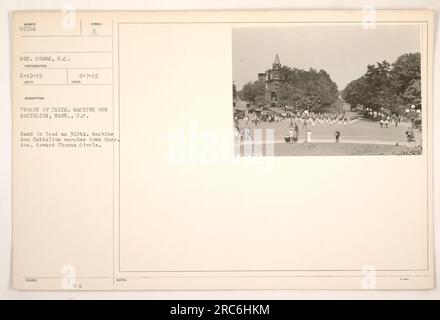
<point x="222" y="150"/>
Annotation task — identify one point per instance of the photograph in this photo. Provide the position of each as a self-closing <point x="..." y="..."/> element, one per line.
<point x="133" y="171"/>
<point x="327" y="90"/>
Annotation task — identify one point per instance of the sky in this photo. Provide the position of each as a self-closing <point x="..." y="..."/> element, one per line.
<point x="344" y="51"/>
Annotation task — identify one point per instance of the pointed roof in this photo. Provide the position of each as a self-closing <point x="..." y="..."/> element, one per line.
<point x="277" y="60"/>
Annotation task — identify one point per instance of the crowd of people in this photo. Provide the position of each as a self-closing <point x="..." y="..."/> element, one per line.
<point x="388" y="120"/>
<point x="313" y="118"/>
<point x="305" y="120"/>
<point x="320" y="118"/>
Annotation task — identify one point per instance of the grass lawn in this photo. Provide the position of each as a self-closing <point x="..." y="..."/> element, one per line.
<point x="334" y="149"/>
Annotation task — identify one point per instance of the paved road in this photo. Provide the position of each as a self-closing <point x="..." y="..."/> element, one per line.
<point x="362" y="131"/>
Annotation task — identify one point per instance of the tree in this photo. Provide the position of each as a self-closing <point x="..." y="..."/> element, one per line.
<point x="412" y="94"/>
<point x="405" y="70"/>
<point x="253" y="90"/>
<point x="387" y="86"/>
<point x="310" y="89"/>
<point x="355" y="92"/>
<point x="406" y="78"/>
<point x="380" y="93"/>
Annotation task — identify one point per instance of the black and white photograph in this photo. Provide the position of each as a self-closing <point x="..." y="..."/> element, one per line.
<point x="327" y="89"/>
<point x="260" y="153"/>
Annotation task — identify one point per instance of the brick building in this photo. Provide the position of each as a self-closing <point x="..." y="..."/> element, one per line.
<point x="272" y="78"/>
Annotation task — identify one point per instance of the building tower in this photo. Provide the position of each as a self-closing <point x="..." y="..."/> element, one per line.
<point x="273" y="80"/>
